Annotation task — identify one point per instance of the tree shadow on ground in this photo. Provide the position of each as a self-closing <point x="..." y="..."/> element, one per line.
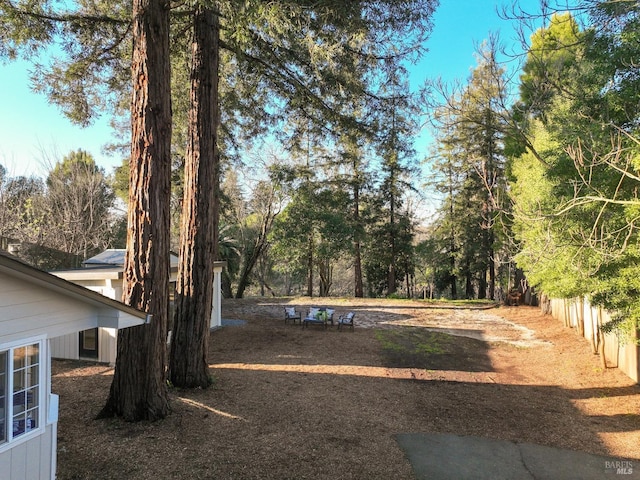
<point x="416" y="347"/>
<point x="289" y="402"/>
<point x="400" y="346"/>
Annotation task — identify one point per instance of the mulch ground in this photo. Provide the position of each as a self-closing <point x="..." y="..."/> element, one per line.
<point x="294" y="403"/>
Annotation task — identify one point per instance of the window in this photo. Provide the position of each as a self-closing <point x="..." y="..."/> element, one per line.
<point x="20" y="384"/>
<point x="3" y="397"/>
<point x="88" y="347"/>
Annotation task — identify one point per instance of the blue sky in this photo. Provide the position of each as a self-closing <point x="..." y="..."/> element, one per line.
<point x="33" y="132"/>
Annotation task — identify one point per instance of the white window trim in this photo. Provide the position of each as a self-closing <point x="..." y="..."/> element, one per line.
<point x="42" y="390"/>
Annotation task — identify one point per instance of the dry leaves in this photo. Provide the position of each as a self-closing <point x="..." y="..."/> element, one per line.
<point x="294" y="403"/>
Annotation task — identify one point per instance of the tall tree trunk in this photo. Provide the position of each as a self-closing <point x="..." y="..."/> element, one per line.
<point x="468" y="285"/>
<point x="245" y="274"/>
<point x="226" y="284"/>
<point x="359" y="287"/>
<point x="391" y="274"/>
<point x="482" y="284"/>
<point x="492" y="272"/>
<point x="310" y="267"/>
<point x="486" y="257"/>
<point x="257" y="251"/>
<point x="139" y="387"/>
<point x="453" y="279"/>
<point x="325" y="272"/>
<point x="407" y="284"/>
<point x="188" y="365"/>
<point x="357" y="263"/>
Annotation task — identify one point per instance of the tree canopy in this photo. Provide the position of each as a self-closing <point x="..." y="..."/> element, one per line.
<point x="576" y="218"/>
<point x="278" y="59"/>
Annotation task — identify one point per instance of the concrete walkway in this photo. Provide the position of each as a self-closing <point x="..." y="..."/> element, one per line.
<point x="452" y="457"/>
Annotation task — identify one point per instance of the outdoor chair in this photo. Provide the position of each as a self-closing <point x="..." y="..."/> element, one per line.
<point x="316" y="316"/>
<point x="330" y="312"/>
<point x="291" y="314"/>
<point x="346" y="320"/>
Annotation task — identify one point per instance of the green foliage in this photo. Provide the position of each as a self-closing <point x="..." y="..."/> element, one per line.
<point x="470" y="169"/>
<point x="120" y="181"/>
<point x="618" y="290"/>
<point x="293" y="69"/>
<point x="544" y="254"/>
<point x="313" y="228"/>
<point x="89" y="66"/>
<point x="388" y="245"/>
<point x="553" y="58"/>
<point x="72" y="213"/>
<point x="575" y="214"/>
<point x="317" y="61"/>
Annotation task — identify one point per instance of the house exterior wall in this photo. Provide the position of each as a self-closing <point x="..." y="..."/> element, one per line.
<point x="107" y="345"/>
<point x="27" y="310"/>
<point x="34" y="308"/>
<point x="67" y="346"/>
<point x="34" y="456"/>
<point x="32" y="459"/>
<point x="216" y="310"/>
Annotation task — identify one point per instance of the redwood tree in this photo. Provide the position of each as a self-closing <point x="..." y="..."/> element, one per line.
<point x="139" y="387"/>
<point x="199" y="226"/>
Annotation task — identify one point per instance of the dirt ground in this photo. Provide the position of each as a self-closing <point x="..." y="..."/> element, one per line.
<point x="295" y="403"/>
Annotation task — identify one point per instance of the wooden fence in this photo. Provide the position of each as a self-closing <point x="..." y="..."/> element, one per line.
<point x="578" y="313"/>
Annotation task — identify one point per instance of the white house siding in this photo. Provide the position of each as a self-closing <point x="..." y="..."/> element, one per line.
<point x="216" y="310"/>
<point x="28" y="310"/>
<point x="107" y="345"/>
<point x="109" y="283"/>
<point x="36" y="307"/>
<point x="68" y="347"/>
<point x="34" y="456"/>
<point x="30" y="460"/>
<point x="108" y="337"/>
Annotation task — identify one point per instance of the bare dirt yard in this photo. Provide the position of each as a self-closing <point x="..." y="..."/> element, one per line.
<point x="295" y="403"/>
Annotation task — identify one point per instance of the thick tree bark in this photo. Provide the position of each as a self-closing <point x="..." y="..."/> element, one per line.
<point x="198" y="240"/>
<point x="139" y="387"/>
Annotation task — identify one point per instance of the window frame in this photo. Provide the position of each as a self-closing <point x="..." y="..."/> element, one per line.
<point x="40" y="387"/>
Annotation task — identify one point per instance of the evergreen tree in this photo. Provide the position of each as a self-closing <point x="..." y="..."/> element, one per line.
<point x="281" y="59"/>
<point x="397" y="158"/>
<point x="188" y="364"/>
<point x="586" y="204"/>
<point x="139" y="387"/>
<point x="472" y="143"/>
